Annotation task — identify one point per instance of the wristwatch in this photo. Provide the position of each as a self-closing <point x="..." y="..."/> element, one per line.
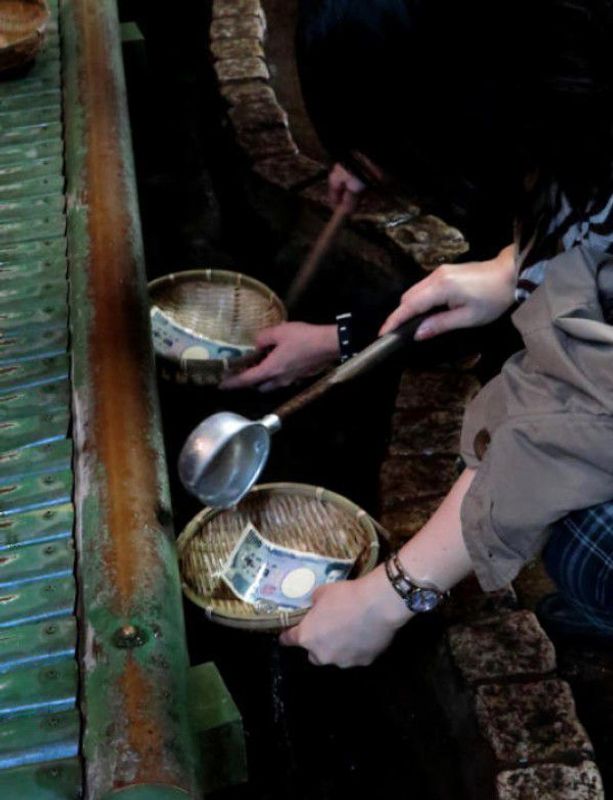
<point x="418" y="598"/>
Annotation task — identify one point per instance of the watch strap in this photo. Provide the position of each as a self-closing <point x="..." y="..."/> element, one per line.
<point x="344" y="327"/>
<point x="406" y="587"/>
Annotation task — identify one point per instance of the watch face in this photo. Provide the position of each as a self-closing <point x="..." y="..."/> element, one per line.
<point x="423" y="600"/>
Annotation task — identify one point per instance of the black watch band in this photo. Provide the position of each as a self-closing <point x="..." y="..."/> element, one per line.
<point x="344" y="327"/>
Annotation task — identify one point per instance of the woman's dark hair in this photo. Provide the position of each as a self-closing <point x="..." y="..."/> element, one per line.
<point x="462" y="101"/>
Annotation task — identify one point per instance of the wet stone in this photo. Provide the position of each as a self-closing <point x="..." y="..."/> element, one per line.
<point x="404" y="523"/>
<point x="511" y="645"/>
<point x="241" y="69"/>
<point x="378" y="209"/>
<point x="237" y="8"/>
<point x="429" y="241"/>
<point x="237" y="48"/>
<point x="526" y="722"/>
<point x="267" y="143"/>
<point x="238" y="27"/>
<point x="249" y="91"/>
<point x="436" y="390"/>
<point x="403" y="480"/>
<point x="421" y="431"/>
<point x="291" y="171"/>
<point x="469" y="603"/>
<point x="551" y="782"/>
<point x="258" y="114"/>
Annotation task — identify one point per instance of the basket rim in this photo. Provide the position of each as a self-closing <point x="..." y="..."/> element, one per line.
<point x="223" y="276"/>
<point x="35" y="32"/>
<point x="279" y="620"/>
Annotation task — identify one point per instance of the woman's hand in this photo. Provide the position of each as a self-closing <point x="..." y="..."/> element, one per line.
<point x="350" y="622"/>
<point x="299" y="350"/>
<point x="476" y="293"/>
<point x="343" y="188"/>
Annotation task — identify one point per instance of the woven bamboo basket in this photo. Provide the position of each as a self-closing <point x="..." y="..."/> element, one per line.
<point x="22" y="31"/>
<point x="290" y="514"/>
<point x="205" y="323"/>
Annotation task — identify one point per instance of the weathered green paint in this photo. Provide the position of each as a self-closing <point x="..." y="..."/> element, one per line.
<point x="50" y="251"/>
<point x="33" y="344"/>
<point x="50" y="397"/>
<point x="41" y="690"/>
<point x="35" y="562"/>
<point x="130" y="32"/>
<point x="30" y="207"/>
<point x="52" y="224"/>
<point x="27" y="460"/>
<point x="31" y="136"/>
<point x="40" y="525"/>
<point x="26" y="431"/>
<point x="49" y="736"/>
<point x="137" y="732"/>
<point x="40" y="600"/>
<point x="219" y="728"/>
<point x="38" y="682"/>
<point x="32" y="314"/>
<point x="30" y="97"/>
<point x="37" y="643"/>
<point x="57" y="780"/>
<point x="38" y="168"/>
<point x="26" y="286"/>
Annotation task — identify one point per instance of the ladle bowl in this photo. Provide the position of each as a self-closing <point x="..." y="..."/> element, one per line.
<point x="224" y="455"/>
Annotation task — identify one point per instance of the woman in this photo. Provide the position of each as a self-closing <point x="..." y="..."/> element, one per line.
<point x="537" y="440"/>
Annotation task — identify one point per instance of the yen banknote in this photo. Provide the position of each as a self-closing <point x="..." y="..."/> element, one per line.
<point x="270" y="576"/>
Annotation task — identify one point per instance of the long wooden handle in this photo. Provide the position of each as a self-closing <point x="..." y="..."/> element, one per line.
<point x="320" y="248"/>
<point x="372" y="355"/>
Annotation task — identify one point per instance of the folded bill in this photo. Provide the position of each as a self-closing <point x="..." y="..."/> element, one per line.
<point x="271" y="576"/>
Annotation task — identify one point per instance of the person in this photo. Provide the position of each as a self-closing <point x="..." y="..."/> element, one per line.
<point x="537" y="439"/>
<point x="356" y="62"/>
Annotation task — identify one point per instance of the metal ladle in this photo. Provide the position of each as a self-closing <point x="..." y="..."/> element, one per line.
<point x="224" y="455"/>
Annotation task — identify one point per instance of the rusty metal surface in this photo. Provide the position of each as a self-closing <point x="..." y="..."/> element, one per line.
<point x="137" y="739"/>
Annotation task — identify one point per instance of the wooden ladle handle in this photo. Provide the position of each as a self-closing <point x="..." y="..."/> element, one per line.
<point x="370" y="357"/>
<point x="320" y="248"/>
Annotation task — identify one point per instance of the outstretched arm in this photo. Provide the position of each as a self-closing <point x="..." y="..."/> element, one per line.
<point x="298" y="351"/>
<point x="475" y="293"/>
<point x="351" y="622"/>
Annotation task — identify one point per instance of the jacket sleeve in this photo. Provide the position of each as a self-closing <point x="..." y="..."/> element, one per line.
<point x="541" y="434"/>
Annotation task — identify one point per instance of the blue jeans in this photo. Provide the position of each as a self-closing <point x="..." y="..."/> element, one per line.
<point x="579" y="559"/>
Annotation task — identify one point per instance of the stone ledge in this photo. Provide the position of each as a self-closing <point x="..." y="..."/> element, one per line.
<point x="424" y="431"/>
<point x="241" y="69"/>
<point x="403" y="480"/>
<point x="237" y="8"/>
<point x="289" y="172"/>
<point x="239" y="27"/>
<point x="531" y="722"/>
<point x="237" y="48"/>
<point x="246" y="92"/>
<point x="436" y="390"/>
<point x="551" y="782"/>
<point x="509" y="646"/>
<point x="258" y="114"/>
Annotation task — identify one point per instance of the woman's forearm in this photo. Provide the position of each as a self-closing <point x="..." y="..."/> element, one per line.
<point x="437" y="554"/>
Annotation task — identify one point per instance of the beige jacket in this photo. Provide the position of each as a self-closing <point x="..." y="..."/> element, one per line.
<point x="541" y="433"/>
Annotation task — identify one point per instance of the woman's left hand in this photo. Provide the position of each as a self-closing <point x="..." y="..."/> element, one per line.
<point x="350" y="622"/>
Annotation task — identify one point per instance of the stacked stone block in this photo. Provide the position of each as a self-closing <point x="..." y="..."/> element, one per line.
<point x="237" y="45"/>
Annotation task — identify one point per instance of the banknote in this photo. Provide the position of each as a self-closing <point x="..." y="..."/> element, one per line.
<point x="270" y="576"/>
